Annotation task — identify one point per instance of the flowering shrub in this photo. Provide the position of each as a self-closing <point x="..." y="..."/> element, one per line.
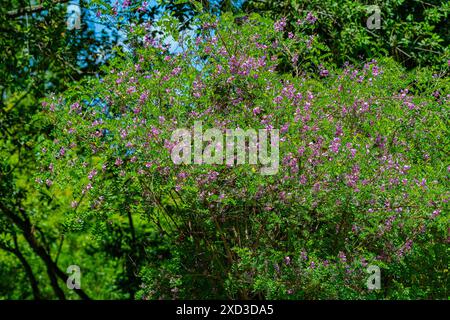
<point x="362" y="179"/>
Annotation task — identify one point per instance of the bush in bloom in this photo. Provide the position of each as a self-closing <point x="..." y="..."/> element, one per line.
<point x="362" y="180"/>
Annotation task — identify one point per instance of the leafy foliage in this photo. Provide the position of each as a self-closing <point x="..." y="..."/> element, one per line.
<point x="363" y="176"/>
<point x="414" y="33"/>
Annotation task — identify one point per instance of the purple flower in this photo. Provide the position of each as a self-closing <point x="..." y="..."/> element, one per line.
<point x="316" y="187"/>
<point x="375" y="71"/>
<point x="304" y="255"/>
<point x="256" y="111"/>
<point x="335" y="145"/>
<point x="311" y="18"/>
<point x="408" y="245"/>
<point x="303" y="179"/>
<point x="339" y="131"/>
<point x="176" y="71"/>
<point x="92" y="174"/>
<point x="324" y="73"/>
<point x="277" y="99"/>
<point x="287" y="260"/>
<point x="143" y="97"/>
<point x="301" y="150"/>
<point x="131" y="90"/>
<point x="310" y="42"/>
<point x="364" y="262"/>
<point x="280" y="24"/>
<point x="435" y="213"/>
<point x="423" y="183"/>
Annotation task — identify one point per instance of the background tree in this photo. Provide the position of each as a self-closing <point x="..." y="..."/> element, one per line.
<point x="415" y="33"/>
<point x="40" y="54"/>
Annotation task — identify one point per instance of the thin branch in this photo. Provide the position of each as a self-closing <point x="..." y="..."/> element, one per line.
<point x="32" y="9"/>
